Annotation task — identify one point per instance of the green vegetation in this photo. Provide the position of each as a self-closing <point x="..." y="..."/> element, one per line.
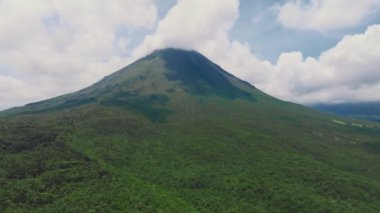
<point x="149" y="144"/>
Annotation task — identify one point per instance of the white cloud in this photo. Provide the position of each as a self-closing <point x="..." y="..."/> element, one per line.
<point x="11" y="88"/>
<point x="60" y="46"/>
<point x="347" y="72"/>
<point x="323" y="15"/>
<point x="191" y="24"/>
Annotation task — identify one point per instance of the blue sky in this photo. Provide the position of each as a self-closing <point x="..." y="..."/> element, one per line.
<point x="258" y="26"/>
<point x="305" y="51"/>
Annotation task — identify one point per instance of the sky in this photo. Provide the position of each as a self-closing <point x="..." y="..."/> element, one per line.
<point x="304" y="51"/>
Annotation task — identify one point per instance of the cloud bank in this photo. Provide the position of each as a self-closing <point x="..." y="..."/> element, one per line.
<point x="48" y="48"/>
<point x="347" y="72"/>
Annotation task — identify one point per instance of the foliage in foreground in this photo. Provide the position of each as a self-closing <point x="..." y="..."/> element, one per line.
<point x="119" y="161"/>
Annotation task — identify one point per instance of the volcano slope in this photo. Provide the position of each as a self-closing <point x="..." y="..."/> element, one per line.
<point x="174" y="132"/>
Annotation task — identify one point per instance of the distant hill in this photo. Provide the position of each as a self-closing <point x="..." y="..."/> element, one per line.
<point x="174" y="132"/>
<point x="363" y="110"/>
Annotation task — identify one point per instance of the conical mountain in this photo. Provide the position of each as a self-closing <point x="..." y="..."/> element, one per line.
<point x="153" y="81"/>
<point x="174" y="132"/>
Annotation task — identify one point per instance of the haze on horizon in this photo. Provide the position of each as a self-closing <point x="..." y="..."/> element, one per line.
<point x="318" y="51"/>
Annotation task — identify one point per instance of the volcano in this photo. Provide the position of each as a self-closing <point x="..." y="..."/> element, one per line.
<point x="151" y="82"/>
<point x="175" y="132"/>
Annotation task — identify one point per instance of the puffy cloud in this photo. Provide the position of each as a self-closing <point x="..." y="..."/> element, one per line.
<point x="347" y="72"/>
<point x="323" y="15"/>
<point x="60" y="46"/>
<point x="191" y="24"/>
